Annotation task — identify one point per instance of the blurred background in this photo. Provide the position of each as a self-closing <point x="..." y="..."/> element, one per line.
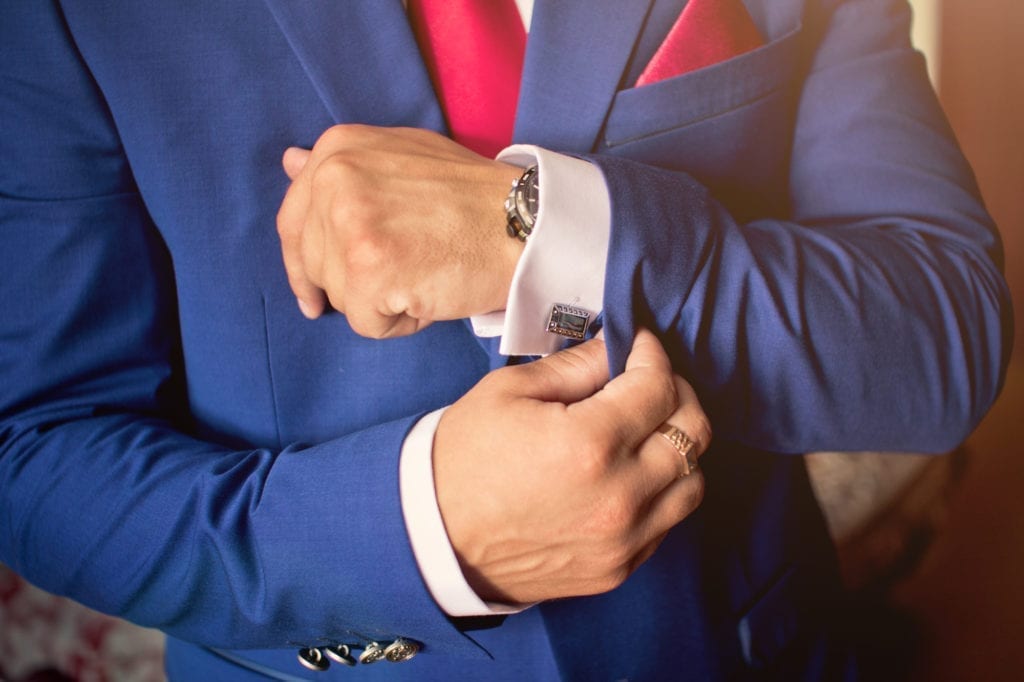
<point x="967" y="592"/>
<point x="933" y="548"/>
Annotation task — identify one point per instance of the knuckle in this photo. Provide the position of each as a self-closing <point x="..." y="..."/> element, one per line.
<point x="616" y="520"/>
<point x="398" y="300"/>
<point x="290" y="224"/>
<point x="335" y="298"/>
<point x="364" y="251"/>
<point x="695" y="492"/>
<point x="334" y="172"/>
<point x="645" y="554"/>
<point x="365" y="325"/>
<point x="622" y="555"/>
<point x="335" y="136"/>
<point x="665" y="386"/>
<point x="614" y="577"/>
<point x="591" y="455"/>
<point x="284" y="221"/>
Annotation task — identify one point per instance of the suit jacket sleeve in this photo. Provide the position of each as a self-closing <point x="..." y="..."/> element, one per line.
<point x="861" y="308"/>
<point x="106" y="497"/>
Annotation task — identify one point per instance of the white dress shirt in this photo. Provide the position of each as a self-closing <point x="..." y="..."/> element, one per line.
<point x="563" y="262"/>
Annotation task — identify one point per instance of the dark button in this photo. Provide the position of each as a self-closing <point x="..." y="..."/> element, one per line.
<point x="313" y="659"/>
<point x="372" y="653"/>
<point x="401" y="650"/>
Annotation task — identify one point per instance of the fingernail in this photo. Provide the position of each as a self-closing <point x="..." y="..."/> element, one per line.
<point x="306" y="309"/>
<point x="296" y="156"/>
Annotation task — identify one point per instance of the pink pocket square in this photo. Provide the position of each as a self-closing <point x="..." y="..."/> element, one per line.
<point x="706" y="32"/>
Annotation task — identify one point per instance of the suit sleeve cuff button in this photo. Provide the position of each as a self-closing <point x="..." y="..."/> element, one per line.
<point x="313" y="659"/>
<point x="401" y="650"/>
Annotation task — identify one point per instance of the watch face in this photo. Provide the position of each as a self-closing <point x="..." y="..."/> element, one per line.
<point x="527" y="200"/>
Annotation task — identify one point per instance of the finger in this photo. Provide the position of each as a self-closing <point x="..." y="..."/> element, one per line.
<point x="377" y="326"/>
<point x="659" y="461"/>
<point x="647" y="352"/>
<point x="672" y="505"/>
<point x="690" y="418"/>
<point x="291" y="220"/>
<point x="294" y="160"/>
<point x="641" y="398"/>
<point x="567" y="377"/>
<point x="413" y="141"/>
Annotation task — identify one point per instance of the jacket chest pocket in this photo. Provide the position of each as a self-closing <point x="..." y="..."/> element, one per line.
<point x="729" y="125"/>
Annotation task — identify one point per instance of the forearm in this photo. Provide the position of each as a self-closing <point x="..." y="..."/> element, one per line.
<point x="858" y="306"/>
<point x="814" y="253"/>
<point x="866" y="336"/>
<point x="564" y="259"/>
<point x="239" y="548"/>
<point x="108" y="498"/>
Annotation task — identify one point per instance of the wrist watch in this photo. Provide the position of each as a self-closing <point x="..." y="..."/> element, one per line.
<point x="521" y="204"/>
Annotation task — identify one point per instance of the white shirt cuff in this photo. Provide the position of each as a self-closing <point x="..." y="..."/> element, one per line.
<point x="430" y="544"/>
<point x="565" y="257"/>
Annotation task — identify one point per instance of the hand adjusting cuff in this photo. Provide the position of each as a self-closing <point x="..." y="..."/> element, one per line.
<point x="521" y="204"/>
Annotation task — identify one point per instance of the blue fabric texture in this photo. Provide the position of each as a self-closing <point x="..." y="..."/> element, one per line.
<point x="180" y="447"/>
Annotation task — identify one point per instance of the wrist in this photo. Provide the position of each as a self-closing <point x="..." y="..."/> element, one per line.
<point x="522" y="203"/>
<point x="507" y="250"/>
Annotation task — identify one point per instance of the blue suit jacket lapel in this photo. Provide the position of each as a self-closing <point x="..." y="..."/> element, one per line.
<point x="575" y="61"/>
<point x="363" y="60"/>
<point x="577" y="58"/>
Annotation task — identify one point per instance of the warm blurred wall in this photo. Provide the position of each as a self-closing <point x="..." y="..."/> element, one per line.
<point x="927" y="32"/>
<point x="982" y="86"/>
<point x="975" y="52"/>
<point x="969" y="592"/>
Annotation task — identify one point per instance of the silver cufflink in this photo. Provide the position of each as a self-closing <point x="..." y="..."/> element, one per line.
<point x="568" y="321"/>
<point x="401" y="650"/>
<point x="316" y="658"/>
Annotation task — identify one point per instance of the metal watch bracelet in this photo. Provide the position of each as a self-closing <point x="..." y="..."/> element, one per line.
<point x="521" y="204"/>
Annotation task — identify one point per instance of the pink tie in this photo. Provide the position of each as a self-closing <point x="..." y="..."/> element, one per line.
<point x="474" y="51"/>
<point x="706" y="32"/>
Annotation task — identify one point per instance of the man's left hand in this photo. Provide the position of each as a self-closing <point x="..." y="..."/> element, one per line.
<point x="396" y="228"/>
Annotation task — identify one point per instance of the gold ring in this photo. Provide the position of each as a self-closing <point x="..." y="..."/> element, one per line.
<point x="683" y="444"/>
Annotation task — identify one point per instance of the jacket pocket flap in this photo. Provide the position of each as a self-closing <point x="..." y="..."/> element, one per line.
<point x="702" y="94"/>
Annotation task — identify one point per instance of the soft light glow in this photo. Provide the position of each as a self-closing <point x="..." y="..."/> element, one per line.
<point x="926" y="33"/>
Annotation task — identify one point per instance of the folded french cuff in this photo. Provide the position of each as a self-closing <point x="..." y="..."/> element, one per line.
<point x="565" y="256"/>
<point x="430" y="544"/>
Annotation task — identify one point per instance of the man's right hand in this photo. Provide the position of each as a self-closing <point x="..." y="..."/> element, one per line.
<point x="553" y="482"/>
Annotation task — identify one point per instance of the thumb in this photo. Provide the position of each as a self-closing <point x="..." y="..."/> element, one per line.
<point x="294" y="160"/>
<point x="567" y="376"/>
<point x="647" y="352"/>
<point x="642" y="397"/>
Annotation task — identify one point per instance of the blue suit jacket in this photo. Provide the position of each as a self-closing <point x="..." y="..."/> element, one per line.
<point x="180" y="447"/>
